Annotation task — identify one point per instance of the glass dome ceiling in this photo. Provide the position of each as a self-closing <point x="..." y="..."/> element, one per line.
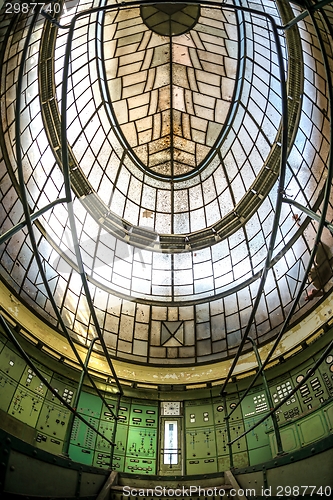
<point x="158" y="143"/>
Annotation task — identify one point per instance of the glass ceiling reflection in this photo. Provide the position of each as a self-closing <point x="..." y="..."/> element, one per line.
<point x="174" y="145"/>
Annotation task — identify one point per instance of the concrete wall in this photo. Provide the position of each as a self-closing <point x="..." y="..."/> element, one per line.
<point x="314" y="474"/>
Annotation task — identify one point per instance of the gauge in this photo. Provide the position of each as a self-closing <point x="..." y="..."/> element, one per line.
<point x="299" y="378"/>
<point x="171" y="408"/>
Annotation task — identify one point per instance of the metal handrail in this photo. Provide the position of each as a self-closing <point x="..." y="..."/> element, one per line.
<point x="278" y="204"/>
<point x="286" y="398"/>
<point x="280" y="199"/>
<point x="322" y="224"/>
<point x="28" y="218"/>
<point x="34" y="216"/>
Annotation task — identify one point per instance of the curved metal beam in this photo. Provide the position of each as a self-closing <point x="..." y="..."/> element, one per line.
<point x="26" y="208"/>
<point x="322" y="223"/>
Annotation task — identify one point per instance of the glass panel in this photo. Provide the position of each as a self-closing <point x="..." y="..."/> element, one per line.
<point x="189" y="249"/>
<point x="170" y="442"/>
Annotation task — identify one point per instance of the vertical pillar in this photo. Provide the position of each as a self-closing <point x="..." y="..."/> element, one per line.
<point x="226" y="418"/>
<point x="269" y="399"/>
<point x="114" y="430"/>
<point x="76" y="401"/>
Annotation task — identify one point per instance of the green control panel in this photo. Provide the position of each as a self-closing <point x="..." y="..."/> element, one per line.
<point x="318" y="388"/>
<point x="280" y="389"/>
<point x="135" y="439"/>
<point x="144" y="416"/>
<point x="103" y="451"/>
<point x="202" y="444"/>
<point x="254" y="406"/>
<point x="206" y="435"/>
<point x="141" y="450"/>
<point x="83" y="441"/>
<point x="11" y="369"/>
<point x="200" y="437"/>
<point x="29" y="396"/>
<point x="53" y="418"/>
<point x="236" y="428"/>
<point x="199" y="414"/>
<point x="326" y="371"/>
<point x="83" y="438"/>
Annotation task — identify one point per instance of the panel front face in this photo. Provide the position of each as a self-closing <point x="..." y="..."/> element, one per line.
<point x="312" y="428"/>
<point x="30" y="379"/>
<point x="52" y="424"/>
<point x="255" y="403"/>
<point x="199" y="413"/>
<point x="313" y="392"/>
<point x="108" y="411"/>
<point x="254" y="406"/>
<point x="65" y="388"/>
<point x="124" y="412"/>
<point x="139" y="465"/>
<point x="25" y="406"/>
<point x="103" y="461"/>
<point x="7" y="388"/>
<point x="83" y="441"/>
<point x="206" y="435"/>
<point x="200" y="443"/>
<point x="258" y="441"/>
<point x="89" y="405"/>
<point x="80" y="454"/>
<point x="141" y="443"/>
<point x="240" y="459"/>
<point x="292" y="408"/>
<point x="218" y="410"/>
<point x="54" y="416"/>
<point x="200" y="437"/>
<point x="326" y="372"/>
<point x="106" y="428"/>
<point x="289" y="437"/>
<point x="29" y="396"/>
<point x="234" y="409"/>
<point x="143" y="415"/>
<point x="121" y="439"/>
<point x="82" y="435"/>
<point x="201" y="450"/>
<point x="102" y="455"/>
<point x="11" y="363"/>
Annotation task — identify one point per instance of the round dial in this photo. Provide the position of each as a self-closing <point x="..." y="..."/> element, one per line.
<point x="171" y="408"/>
